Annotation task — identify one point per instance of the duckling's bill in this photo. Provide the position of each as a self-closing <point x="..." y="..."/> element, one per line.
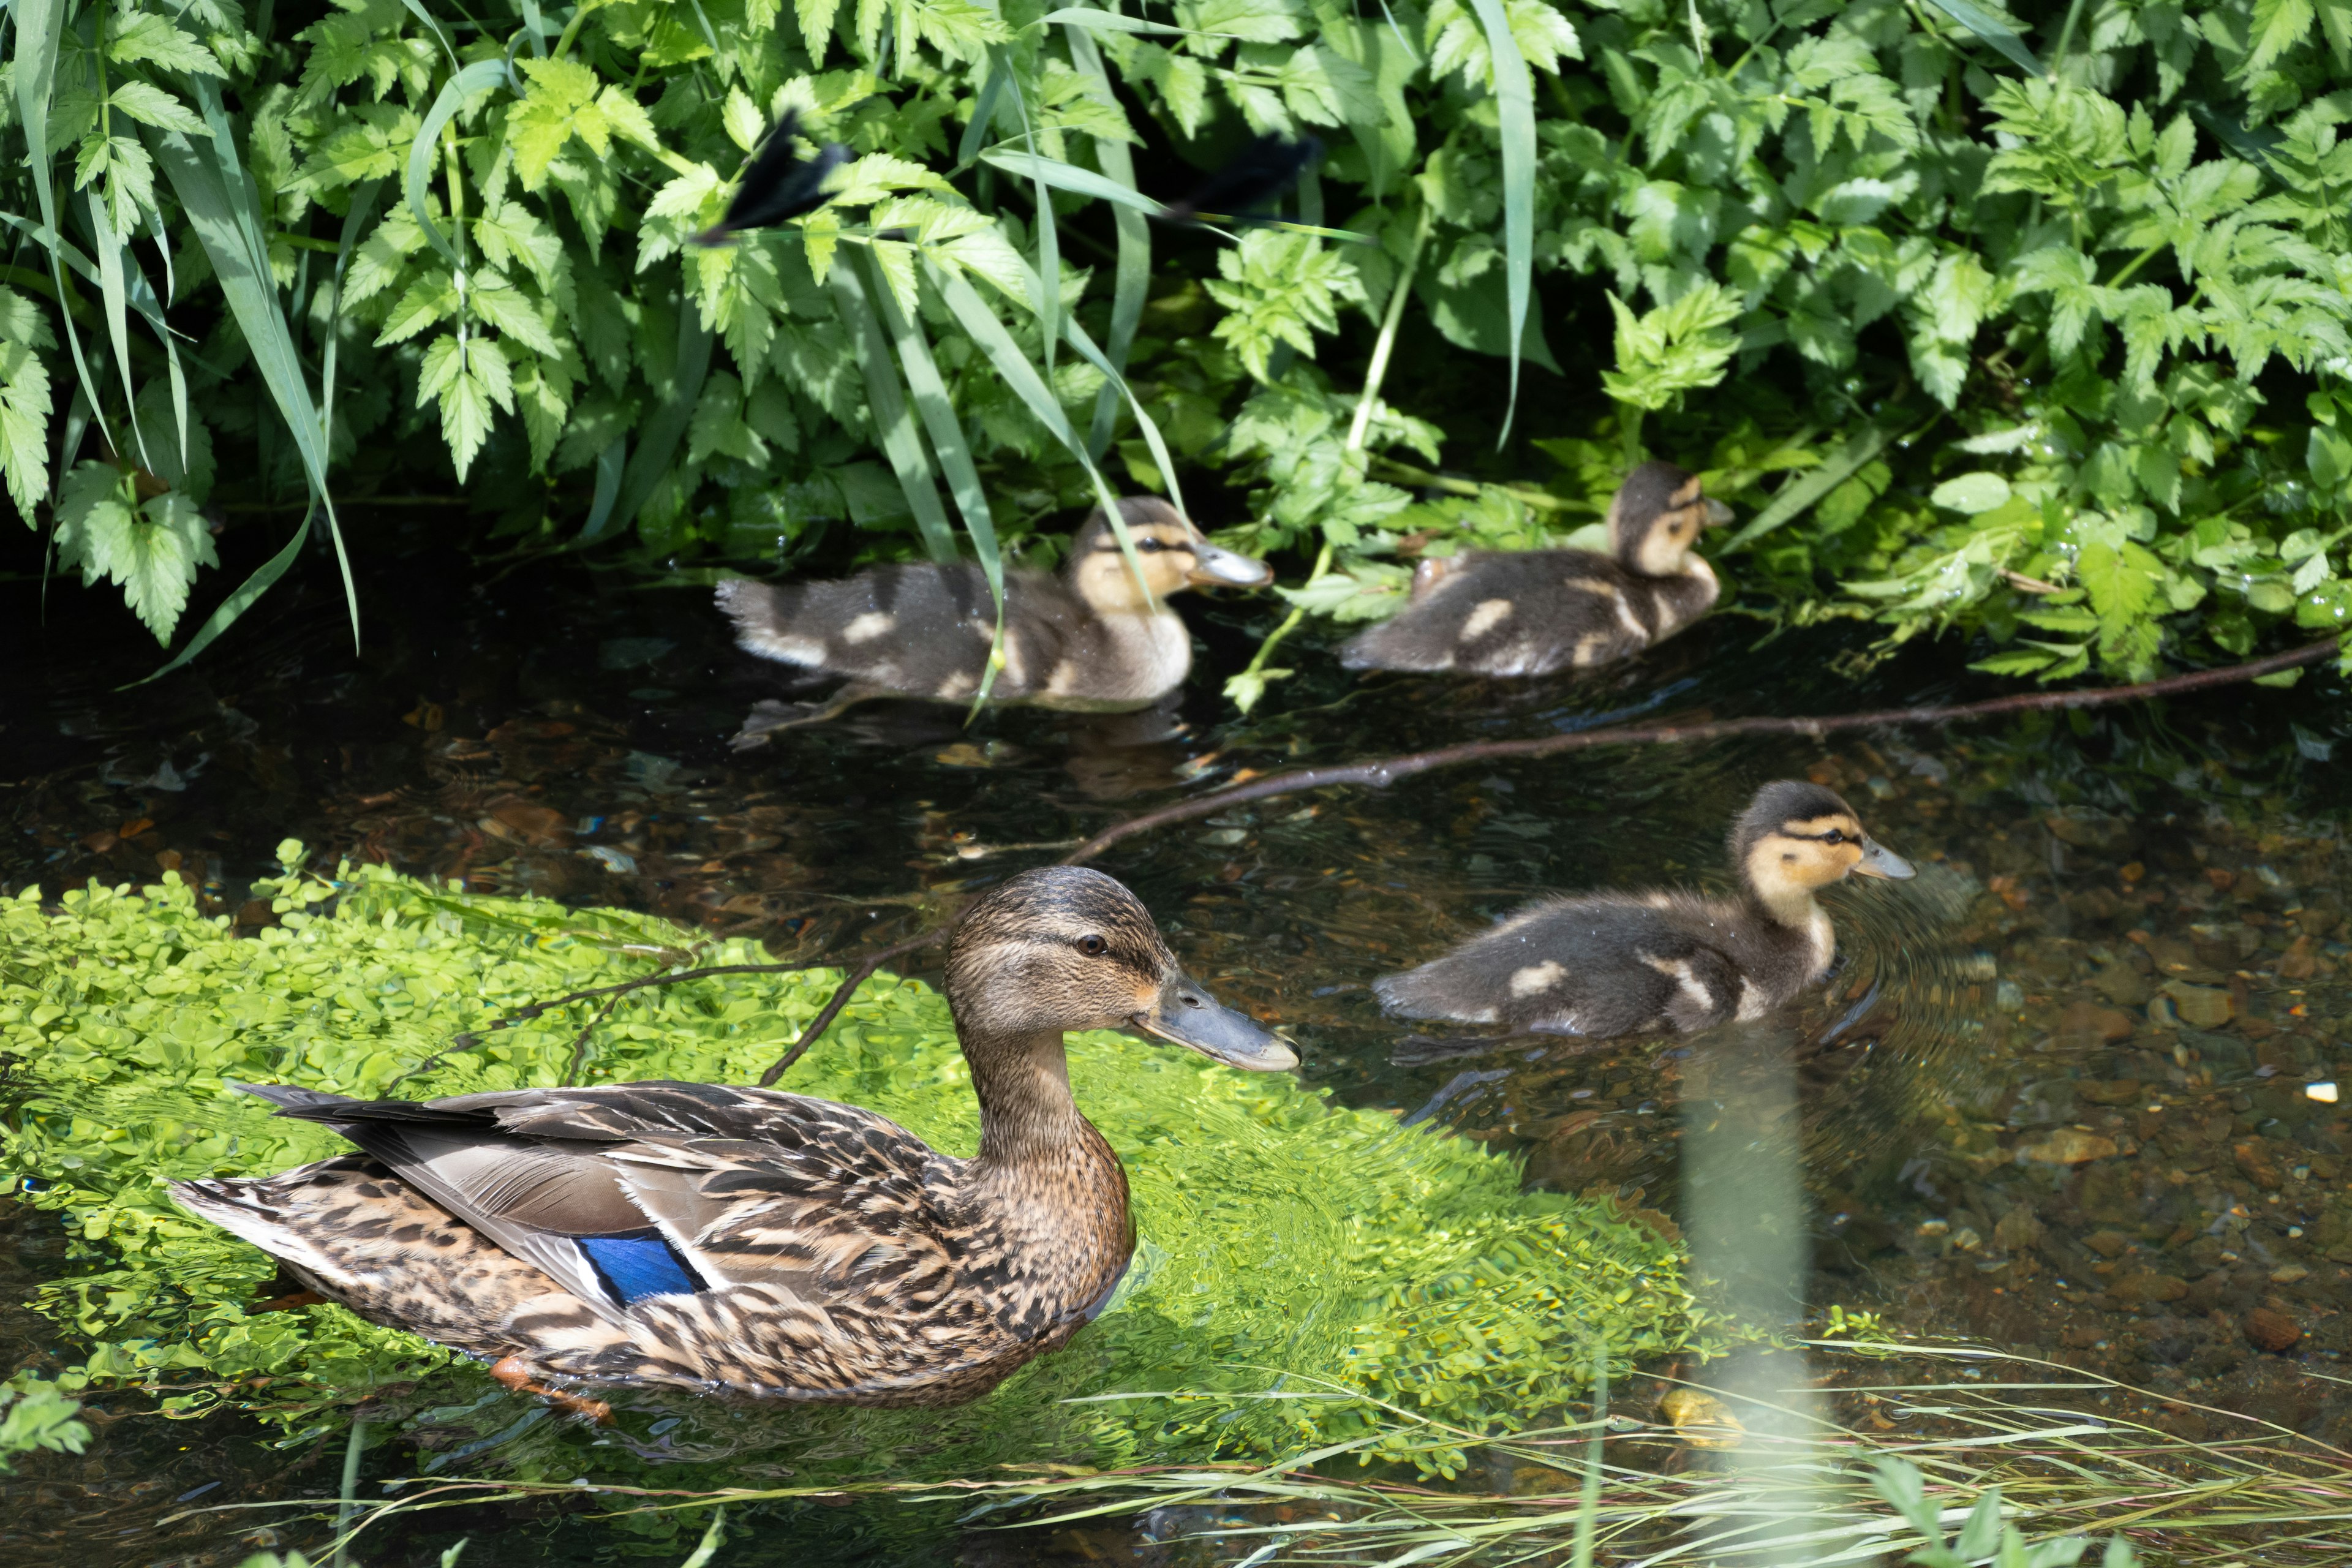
<point x="1186" y="1014"/>
<point x="1878" y="860"/>
<point x="1214" y="566"/>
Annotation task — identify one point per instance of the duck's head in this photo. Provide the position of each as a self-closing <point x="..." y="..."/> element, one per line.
<point x="1656" y="519"/>
<point x="1171" y="552"/>
<point x="1065" y="947"/>
<point x="1796" y="836"/>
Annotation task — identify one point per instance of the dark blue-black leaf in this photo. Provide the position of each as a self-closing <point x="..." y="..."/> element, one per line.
<point x="1265" y="168"/>
<point x="778" y="185"/>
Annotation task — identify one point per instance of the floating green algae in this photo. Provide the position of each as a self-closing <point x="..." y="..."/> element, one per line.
<point x="1297" y="1264"/>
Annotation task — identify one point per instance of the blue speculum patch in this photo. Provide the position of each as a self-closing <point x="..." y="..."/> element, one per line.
<point x="639" y="1264"/>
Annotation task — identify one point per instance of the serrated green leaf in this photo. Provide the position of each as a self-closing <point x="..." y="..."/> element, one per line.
<point x="470" y="383"/>
<point x="150" y="551"/>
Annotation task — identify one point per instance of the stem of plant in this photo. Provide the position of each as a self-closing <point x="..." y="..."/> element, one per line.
<point x="1251" y="680"/>
<point x="1377" y="370"/>
<point x="1422" y="478"/>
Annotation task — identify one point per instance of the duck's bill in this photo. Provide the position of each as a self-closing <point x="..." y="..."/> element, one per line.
<point x="1878" y="860"/>
<point x="1216" y="566"/>
<point x="1717" y="514"/>
<point x="1188" y="1015"/>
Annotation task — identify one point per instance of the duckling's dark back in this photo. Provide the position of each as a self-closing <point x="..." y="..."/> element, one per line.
<point x="1531" y="612"/>
<point x="924" y="630"/>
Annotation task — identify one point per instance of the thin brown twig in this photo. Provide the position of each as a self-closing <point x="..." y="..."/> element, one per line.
<point x="1380" y="773"/>
<point x="580" y="1040"/>
<point x="844" y="992"/>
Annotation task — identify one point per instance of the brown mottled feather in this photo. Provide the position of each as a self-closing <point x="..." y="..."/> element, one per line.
<point x="837" y="1256"/>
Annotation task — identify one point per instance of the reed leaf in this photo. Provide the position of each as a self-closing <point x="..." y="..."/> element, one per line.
<point x="1515" y="103"/>
<point x="1131" y="279"/>
<point x="225" y="615"/>
<point x="1069" y="177"/>
<point x="1993" y="31"/>
<point x="954" y="452"/>
<point x="217" y="199"/>
<point x="657" y="442"/>
<point x="894" y="427"/>
<point x="422" y="152"/>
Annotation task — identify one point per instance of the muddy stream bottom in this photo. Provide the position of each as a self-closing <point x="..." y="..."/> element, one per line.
<point x="2073" y="1093"/>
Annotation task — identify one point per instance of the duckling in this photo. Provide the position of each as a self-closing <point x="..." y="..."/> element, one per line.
<point x="1605" y="964"/>
<point x="1092" y="637"/>
<point x="1531" y="612"/>
<point x="750" y="1241"/>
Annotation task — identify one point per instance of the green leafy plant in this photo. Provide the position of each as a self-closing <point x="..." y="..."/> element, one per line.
<point x="35" y="1414"/>
<point x="1300" y="1267"/>
<point x="1839" y="257"/>
<point x="1985" y="1536"/>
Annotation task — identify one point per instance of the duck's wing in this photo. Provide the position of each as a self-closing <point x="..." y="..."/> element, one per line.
<point x="919" y="630"/>
<point x="619" y="1191"/>
<point x="1598" y="967"/>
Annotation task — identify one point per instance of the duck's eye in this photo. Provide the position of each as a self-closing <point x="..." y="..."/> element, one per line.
<point x="1833" y="836"/>
<point x="1150" y="546"/>
<point x="1093" y="946"/>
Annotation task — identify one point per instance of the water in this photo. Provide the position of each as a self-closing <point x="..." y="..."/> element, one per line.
<point x="2058" y="1094"/>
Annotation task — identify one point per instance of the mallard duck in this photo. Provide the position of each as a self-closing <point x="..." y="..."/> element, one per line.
<point x="1531" y="612"/>
<point x="1092" y="637"/>
<point x="1605" y="964"/>
<point x="747" y="1240"/>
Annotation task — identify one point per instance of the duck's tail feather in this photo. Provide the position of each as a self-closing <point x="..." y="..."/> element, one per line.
<point x="1401" y="643"/>
<point x="764" y="615"/>
<point x="1422" y="993"/>
<point x="359" y="1234"/>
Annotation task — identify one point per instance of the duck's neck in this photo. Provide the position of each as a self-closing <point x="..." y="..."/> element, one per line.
<point x="1794" y="909"/>
<point x="1026" y="1113"/>
<point x="1046" y="1187"/>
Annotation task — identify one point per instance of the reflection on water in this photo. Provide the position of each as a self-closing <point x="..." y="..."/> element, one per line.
<point x="2064" y="1092"/>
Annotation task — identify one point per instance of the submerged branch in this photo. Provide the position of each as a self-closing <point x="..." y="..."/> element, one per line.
<point x="1385" y="771"/>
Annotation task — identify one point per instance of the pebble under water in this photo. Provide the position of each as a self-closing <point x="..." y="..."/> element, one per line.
<point x="2072" y="1092"/>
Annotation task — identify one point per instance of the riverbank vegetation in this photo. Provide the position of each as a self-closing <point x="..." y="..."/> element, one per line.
<point x="1298" y="1265"/>
<point x="2029" y="323"/>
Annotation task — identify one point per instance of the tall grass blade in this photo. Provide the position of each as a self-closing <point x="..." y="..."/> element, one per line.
<point x="939" y="415"/>
<point x="1078" y="339"/>
<point x="981" y="324"/>
<point x="1132" y="279"/>
<point x="658" y="443"/>
<point x="354" y="1449"/>
<point x="1588" y="1502"/>
<point x="225" y="615"/>
<point x="454" y="93"/>
<point x="1069" y="177"/>
<point x="713" y="1536"/>
<point x="892" y="426"/>
<point x="1807" y="487"/>
<point x="1989" y="28"/>
<point x="983" y="109"/>
<point x="218" y="197"/>
<point x="1048" y="294"/>
<point x="114" y="299"/>
<point x="1515" y="103"/>
<point x="40" y="24"/>
<point x="609" y="463"/>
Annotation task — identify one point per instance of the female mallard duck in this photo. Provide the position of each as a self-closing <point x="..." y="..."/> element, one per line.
<point x="753" y="1241"/>
<point x="1531" y="612"/>
<point x="1095" y="636"/>
<point x="1605" y="964"/>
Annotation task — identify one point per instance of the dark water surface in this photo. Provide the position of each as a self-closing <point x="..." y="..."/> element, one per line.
<point x="2064" y="1093"/>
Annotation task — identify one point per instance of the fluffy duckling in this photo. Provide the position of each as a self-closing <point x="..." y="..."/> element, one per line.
<point x="1531" y="612"/>
<point x="1605" y="964"/>
<point x="747" y="1241"/>
<point x="1091" y="637"/>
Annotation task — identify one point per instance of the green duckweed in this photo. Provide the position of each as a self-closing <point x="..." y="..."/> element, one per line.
<point x="1298" y="1265"/>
